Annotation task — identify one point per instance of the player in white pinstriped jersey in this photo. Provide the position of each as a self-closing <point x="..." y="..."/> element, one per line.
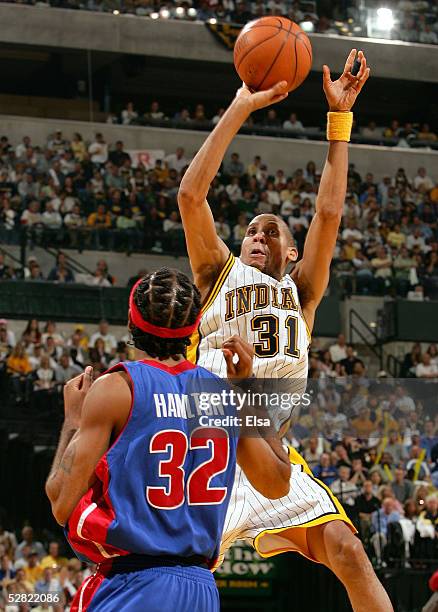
<point x="254" y="298"/>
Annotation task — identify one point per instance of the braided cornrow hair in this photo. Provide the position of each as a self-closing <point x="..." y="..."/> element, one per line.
<point x="169" y="299"/>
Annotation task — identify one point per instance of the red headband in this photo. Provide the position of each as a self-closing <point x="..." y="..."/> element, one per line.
<point x="156" y="330"/>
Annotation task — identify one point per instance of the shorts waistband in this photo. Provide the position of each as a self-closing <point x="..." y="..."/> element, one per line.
<point x="134" y="563"/>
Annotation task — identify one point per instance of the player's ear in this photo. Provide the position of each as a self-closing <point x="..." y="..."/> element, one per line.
<point x="292" y="254"/>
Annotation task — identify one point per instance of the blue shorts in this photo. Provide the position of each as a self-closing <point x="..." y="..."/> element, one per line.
<point x="177" y="588"/>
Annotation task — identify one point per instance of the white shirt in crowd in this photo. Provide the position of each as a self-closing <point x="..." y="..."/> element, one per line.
<point x="98" y="152"/>
<point x="174" y="163"/>
<point x="287" y="208"/>
<point x="346" y="492"/>
<point x="222" y="230"/>
<point x="337" y="352"/>
<point x="422" y="370"/>
<point x="52" y="219"/>
<point x="297" y="126"/>
<point x="336" y="423"/>
<point x="169" y="224"/>
<point x="109" y="339"/>
<point x="357" y="234"/>
<point x="128" y="116"/>
<point x="423" y="180"/>
<point x="406" y="404"/>
<point x="273" y="198"/>
<point x="301" y="220"/>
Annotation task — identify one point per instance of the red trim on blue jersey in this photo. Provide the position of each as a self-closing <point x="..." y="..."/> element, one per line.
<point x="88" y="589"/>
<point x="89" y="522"/>
<point x="182" y="366"/>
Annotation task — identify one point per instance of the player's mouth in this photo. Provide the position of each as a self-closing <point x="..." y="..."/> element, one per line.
<point x="258" y="254"/>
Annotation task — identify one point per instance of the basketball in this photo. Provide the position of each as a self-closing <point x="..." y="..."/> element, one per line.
<point x="272" y="49"/>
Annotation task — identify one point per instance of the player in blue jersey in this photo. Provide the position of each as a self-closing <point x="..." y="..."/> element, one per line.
<point x="140" y="486"/>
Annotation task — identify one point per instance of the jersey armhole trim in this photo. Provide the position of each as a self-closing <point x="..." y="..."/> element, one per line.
<point x="218" y="284"/>
<point x="120" y="367"/>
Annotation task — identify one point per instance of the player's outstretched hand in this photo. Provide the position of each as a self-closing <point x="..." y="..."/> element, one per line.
<point x="75" y="391"/>
<point x="260" y="99"/>
<point x="245" y="352"/>
<point x="342" y="94"/>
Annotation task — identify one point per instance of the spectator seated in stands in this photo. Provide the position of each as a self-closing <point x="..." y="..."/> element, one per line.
<point x="366" y="503"/>
<point x="54" y="560"/>
<point x="426" y="537"/>
<point x="403" y="489"/>
<point x="103" y="333"/>
<point x="66" y="370"/>
<point x="380" y="519"/>
<point x="18" y="367"/>
<point x="426" y="368"/>
<point x="345" y="489"/>
<point x="19" y="585"/>
<point x="61" y="273"/>
<point x="28" y="542"/>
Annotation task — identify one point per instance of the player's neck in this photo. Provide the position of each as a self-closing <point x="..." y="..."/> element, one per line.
<point x="170" y="361"/>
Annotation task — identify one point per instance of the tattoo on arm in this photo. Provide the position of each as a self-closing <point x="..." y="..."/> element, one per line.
<point x="64" y="440"/>
<point x="68" y="459"/>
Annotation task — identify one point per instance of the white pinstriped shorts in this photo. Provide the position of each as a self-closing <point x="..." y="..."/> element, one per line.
<point x="260" y="521"/>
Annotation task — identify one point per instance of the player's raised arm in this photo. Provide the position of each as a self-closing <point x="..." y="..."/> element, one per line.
<point x="85" y="437"/>
<point x="206" y="250"/>
<point x="260" y="454"/>
<point x="311" y="274"/>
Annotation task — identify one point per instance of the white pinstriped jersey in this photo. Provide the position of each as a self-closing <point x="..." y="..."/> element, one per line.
<point x="264" y="312"/>
<point x="267" y="313"/>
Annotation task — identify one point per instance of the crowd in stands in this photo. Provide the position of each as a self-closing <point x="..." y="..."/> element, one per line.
<point x="35" y="366"/>
<point x="414" y="20"/>
<point x="31" y="567"/>
<point x="375" y="444"/>
<point x="273" y="122"/>
<point x="89" y="195"/>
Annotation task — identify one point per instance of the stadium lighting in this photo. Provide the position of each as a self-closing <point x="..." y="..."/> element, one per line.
<point x="212" y="21"/>
<point x="154" y="15"/>
<point x="307" y="26"/>
<point x="165" y="13"/>
<point x="385" y="19"/>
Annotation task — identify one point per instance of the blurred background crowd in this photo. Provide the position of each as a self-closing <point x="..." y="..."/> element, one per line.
<point x="68" y="193"/>
<point x="406" y="20"/>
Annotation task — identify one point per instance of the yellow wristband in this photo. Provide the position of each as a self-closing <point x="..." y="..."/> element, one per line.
<point x="339" y="126"/>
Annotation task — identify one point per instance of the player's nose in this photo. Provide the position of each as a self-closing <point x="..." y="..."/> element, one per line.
<point x="260" y="237"/>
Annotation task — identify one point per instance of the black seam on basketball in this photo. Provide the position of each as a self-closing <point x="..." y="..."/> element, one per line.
<point x="296" y="61"/>
<point x="303" y="40"/>
<point x="255" y="47"/>
<point x="276" y="57"/>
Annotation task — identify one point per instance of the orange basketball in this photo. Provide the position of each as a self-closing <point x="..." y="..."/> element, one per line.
<point x="272" y="49"/>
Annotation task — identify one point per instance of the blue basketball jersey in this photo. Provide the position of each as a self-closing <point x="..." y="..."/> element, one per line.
<point x="163" y="487"/>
